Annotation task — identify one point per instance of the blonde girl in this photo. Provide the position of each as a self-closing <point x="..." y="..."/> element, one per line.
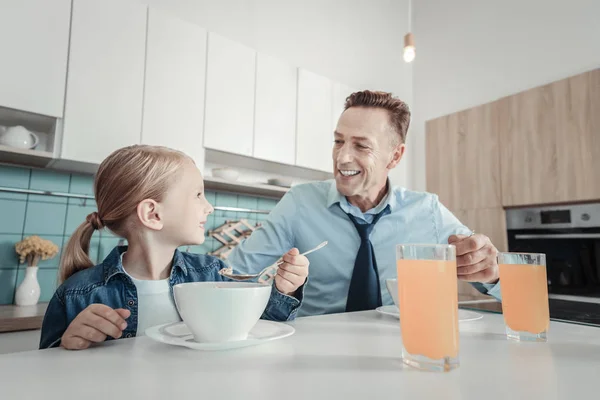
<point x="153" y="197"/>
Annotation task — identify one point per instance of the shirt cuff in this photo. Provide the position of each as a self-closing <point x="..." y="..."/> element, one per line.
<point x="283" y="307"/>
<point x="491" y="289"/>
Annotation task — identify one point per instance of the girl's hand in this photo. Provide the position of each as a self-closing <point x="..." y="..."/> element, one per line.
<point x="93" y="325"/>
<point x="292" y="273"/>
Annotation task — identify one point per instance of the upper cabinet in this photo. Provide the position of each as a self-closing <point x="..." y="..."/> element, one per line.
<point x="34" y="38"/>
<point x="550" y="149"/>
<point x="174" y="85"/>
<point x="314" y="141"/>
<point x="463" y="160"/>
<point x="275" y="110"/>
<point x="230" y="80"/>
<point x="340" y="93"/>
<point x="105" y="83"/>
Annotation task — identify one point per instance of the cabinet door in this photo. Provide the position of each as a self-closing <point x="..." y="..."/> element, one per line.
<point x="314" y="127"/>
<point x="529" y="149"/>
<point x="34" y="38"/>
<point x="551" y="144"/>
<point x="578" y="137"/>
<point x="105" y="83"/>
<point x="275" y="112"/>
<point x="230" y="79"/>
<point x="174" y="86"/>
<point x="340" y="93"/>
<point x="463" y="158"/>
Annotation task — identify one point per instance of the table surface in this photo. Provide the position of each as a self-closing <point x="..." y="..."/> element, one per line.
<point x="340" y="356"/>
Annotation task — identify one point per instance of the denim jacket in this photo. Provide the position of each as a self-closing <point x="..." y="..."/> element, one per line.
<point x="107" y="283"/>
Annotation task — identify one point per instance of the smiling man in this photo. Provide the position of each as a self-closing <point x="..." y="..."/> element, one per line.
<point x="363" y="217"/>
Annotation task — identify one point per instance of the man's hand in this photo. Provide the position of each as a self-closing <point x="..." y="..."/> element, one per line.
<point x="475" y="258"/>
<point x="292" y="273"/>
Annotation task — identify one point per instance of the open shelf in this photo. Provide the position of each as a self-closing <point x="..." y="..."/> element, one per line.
<point x="249" y="188"/>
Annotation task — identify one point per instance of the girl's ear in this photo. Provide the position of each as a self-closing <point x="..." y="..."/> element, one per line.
<point x="148" y="214"/>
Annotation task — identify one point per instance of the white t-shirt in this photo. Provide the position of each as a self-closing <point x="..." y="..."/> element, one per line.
<point x="155" y="303"/>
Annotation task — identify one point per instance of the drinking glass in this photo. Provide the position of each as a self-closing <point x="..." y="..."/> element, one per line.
<point x="428" y="303"/>
<point x="524" y="289"/>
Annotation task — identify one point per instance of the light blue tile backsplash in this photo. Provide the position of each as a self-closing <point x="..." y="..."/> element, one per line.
<point x="55" y="218"/>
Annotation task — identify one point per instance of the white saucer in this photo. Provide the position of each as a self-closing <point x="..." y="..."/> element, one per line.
<point x="178" y="334"/>
<point x="463" y="315"/>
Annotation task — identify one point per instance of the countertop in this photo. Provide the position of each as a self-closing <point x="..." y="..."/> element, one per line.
<point x="339" y="356"/>
<point x="21" y="318"/>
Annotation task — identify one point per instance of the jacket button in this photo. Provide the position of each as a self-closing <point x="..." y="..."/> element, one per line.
<point x="130" y="303"/>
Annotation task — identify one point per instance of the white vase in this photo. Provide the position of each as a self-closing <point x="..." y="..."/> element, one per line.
<point x="28" y="292"/>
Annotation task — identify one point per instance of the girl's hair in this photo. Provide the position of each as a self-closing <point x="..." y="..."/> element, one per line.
<point x="125" y="178"/>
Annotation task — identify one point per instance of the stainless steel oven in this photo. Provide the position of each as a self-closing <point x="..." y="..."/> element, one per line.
<point x="570" y="238"/>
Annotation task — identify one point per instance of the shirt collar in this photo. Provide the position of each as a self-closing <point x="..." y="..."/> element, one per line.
<point x="335" y="197"/>
<point x="113" y="265"/>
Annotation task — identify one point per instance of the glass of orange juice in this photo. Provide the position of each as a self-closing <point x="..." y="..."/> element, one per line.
<point x="428" y="302"/>
<point x="524" y="289"/>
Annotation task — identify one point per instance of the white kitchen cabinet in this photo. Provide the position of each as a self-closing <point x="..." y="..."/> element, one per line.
<point x="314" y="141"/>
<point x="230" y="83"/>
<point x="340" y="93"/>
<point x="34" y="42"/>
<point x="105" y="83"/>
<point x="275" y="111"/>
<point x="174" y="86"/>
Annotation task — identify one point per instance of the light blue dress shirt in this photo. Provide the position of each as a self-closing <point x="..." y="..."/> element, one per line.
<point x="313" y="212"/>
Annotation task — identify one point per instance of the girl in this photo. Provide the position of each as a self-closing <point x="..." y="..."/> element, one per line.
<point x="153" y="197"/>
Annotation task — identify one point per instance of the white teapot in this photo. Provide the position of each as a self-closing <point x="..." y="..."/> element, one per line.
<point x="19" y="137"/>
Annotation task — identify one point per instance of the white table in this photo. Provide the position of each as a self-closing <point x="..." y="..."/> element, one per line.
<point x="344" y="356"/>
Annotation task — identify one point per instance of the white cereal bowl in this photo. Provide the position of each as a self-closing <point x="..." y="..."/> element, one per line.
<point x="392" y="287"/>
<point x="218" y="312"/>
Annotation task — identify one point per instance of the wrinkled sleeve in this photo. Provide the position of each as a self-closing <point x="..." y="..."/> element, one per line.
<point x="447" y="225"/>
<point x="55" y="322"/>
<point x="268" y="243"/>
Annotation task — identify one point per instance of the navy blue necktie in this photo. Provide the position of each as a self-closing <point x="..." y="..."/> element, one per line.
<point x="364" y="292"/>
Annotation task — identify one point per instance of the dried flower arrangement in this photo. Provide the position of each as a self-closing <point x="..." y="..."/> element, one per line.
<point x="33" y="248"/>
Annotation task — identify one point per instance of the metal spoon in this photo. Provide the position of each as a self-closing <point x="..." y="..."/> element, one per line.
<point x="266" y="274"/>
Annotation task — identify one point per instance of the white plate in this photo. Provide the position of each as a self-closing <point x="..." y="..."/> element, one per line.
<point x="178" y="334"/>
<point x="463" y="315"/>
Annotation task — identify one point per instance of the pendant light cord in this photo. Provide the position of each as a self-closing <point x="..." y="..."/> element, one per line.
<point x="409" y="15"/>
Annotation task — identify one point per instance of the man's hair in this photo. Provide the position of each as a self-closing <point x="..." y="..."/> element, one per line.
<point x="397" y="109"/>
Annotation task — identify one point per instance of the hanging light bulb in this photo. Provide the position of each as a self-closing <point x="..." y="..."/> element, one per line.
<point x="409" y="39"/>
<point x="409" y="47"/>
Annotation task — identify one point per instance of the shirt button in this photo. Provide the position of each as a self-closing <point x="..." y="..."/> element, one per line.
<point x="130" y="303"/>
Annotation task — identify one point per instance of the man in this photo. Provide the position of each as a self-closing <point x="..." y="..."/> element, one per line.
<point x="363" y="218"/>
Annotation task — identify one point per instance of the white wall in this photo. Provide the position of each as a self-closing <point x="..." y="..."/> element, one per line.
<point x="473" y="52"/>
<point x="355" y="42"/>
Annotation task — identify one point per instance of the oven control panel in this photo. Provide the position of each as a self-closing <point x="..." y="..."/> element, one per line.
<point x="574" y="216"/>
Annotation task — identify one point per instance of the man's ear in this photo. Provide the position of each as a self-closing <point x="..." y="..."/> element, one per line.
<point x="148" y="212"/>
<point x="396" y="156"/>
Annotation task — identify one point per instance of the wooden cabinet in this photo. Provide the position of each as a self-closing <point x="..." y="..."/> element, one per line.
<point x="578" y="137"/>
<point x="34" y="38"/>
<point x="551" y="142"/>
<point x="463" y="160"/>
<point x="230" y="79"/>
<point x="105" y="83"/>
<point x="174" y="85"/>
<point x="314" y="127"/>
<point x="275" y="111"/>
<point x="529" y="149"/>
